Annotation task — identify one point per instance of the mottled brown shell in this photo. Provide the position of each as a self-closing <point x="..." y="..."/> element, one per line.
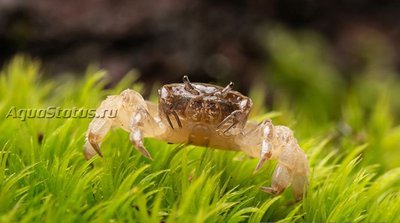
<point x="199" y="102"/>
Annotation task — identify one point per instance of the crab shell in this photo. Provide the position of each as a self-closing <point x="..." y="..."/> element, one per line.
<point x="202" y="103"/>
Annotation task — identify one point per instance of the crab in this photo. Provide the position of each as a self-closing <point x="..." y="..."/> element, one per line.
<point x="204" y="115"/>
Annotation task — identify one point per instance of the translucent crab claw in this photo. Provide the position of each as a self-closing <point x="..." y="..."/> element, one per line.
<point x="130" y="113"/>
<point x="266" y="137"/>
<point x="267" y="141"/>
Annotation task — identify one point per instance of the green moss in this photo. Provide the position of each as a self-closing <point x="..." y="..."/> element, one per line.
<point x="353" y="159"/>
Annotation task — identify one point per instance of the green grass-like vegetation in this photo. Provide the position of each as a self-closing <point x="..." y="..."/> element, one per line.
<point x="347" y="128"/>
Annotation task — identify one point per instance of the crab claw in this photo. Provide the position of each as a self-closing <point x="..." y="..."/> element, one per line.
<point x="130" y="113"/>
<point x="136" y="137"/>
<point x="265" y="150"/>
<point x="265" y="154"/>
<point x="145" y="153"/>
<point x="90" y="151"/>
<point x="98" y="128"/>
<point x="92" y="142"/>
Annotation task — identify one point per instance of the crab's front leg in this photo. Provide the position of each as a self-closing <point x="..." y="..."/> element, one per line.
<point x="131" y="113"/>
<point x="266" y="141"/>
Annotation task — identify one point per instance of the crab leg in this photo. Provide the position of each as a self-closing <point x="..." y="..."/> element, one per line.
<point x="236" y="117"/>
<point x="168" y="119"/>
<point x="177" y="119"/>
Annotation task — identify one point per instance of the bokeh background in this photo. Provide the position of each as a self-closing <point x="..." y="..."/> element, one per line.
<point x="214" y="41"/>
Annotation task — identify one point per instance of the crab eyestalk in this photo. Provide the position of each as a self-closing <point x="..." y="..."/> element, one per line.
<point x="189" y="86"/>
<point x="227" y="88"/>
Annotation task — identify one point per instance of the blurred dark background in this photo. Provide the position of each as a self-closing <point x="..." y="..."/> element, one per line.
<point x="212" y="41"/>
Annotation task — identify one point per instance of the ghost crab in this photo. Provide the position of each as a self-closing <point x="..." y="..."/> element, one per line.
<point x="205" y="115"/>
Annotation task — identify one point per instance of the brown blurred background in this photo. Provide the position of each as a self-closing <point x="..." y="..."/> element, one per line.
<point x="213" y="41"/>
